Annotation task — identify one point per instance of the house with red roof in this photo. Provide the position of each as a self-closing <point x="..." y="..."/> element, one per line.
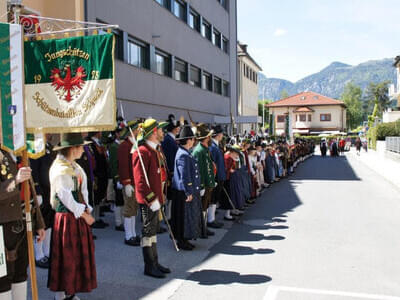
<point x="308" y="113"/>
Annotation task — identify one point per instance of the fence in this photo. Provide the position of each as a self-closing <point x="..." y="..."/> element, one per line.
<point x="393" y="144"/>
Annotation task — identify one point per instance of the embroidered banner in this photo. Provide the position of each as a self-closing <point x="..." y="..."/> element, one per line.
<point x="69" y="84"/>
<point x="12" y="125"/>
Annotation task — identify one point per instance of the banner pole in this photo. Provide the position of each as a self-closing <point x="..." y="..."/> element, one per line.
<point x="29" y="234"/>
<point x="28" y="216"/>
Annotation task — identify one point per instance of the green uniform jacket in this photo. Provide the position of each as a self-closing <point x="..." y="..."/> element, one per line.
<point x="113" y="160"/>
<point x="202" y="154"/>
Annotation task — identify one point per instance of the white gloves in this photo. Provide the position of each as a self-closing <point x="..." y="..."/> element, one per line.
<point x="119" y="185"/>
<point x="202" y="192"/>
<point x="155" y="205"/>
<point x="129" y="190"/>
<point x="39" y="199"/>
<point x="216" y="183"/>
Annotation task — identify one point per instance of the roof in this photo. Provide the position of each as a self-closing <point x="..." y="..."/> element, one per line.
<point x="243" y="52"/>
<point x="303" y="109"/>
<point x="306" y="99"/>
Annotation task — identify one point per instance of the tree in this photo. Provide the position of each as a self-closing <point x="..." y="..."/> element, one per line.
<point x="377" y="95"/>
<point x="351" y="97"/>
<point x="284" y="94"/>
<point x="266" y="111"/>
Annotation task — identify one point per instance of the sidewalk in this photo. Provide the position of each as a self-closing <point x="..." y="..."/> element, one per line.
<point x="386" y="167"/>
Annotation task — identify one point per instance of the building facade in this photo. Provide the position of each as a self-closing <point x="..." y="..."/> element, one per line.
<point x="171" y="56"/>
<point x="308" y="113"/>
<point x="247" y="90"/>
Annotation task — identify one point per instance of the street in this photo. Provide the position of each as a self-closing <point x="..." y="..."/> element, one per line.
<point x="326" y="233"/>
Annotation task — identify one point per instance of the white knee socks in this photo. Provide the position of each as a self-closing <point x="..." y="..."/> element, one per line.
<point x="118" y="215"/>
<point x="6" y="296"/>
<point x="133" y="223"/>
<point x="46" y="243"/>
<point x="59" y="296"/>
<point x="38" y="250"/>
<point x="211" y="213"/>
<point x="19" y="290"/>
<point x="128" y="228"/>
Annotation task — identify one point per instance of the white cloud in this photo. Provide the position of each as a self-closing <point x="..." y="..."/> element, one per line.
<point x="280" y="32"/>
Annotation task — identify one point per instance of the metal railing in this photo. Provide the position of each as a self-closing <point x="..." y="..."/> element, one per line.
<point x="393" y="144"/>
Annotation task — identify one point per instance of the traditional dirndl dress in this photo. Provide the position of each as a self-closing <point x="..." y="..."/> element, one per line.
<point x="72" y="259"/>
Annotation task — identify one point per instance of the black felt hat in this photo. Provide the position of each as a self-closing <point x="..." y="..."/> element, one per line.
<point x="172" y="123"/>
<point x="217" y="130"/>
<point x="185" y="133"/>
<point x="70" y="140"/>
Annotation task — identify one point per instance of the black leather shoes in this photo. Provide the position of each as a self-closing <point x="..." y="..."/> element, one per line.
<point x="215" y="225"/>
<point x="133" y="241"/>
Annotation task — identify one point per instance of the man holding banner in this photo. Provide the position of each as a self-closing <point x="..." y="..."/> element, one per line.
<point x="13" y="286"/>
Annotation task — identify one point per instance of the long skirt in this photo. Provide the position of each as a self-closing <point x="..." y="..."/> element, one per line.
<point x="72" y="262"/>
<point x="185" y="216"/>
<point x="238" y="189"/>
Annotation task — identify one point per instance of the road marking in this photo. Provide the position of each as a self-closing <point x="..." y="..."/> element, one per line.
<point x="272" y="293"/>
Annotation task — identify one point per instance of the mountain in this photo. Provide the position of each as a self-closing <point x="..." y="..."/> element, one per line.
<point x="331" y="80"/>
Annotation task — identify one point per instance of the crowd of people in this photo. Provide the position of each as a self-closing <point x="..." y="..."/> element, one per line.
<point x="157" y="171"/>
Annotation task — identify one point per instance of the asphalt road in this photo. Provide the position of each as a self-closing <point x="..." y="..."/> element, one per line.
<point x="329" y="232"/>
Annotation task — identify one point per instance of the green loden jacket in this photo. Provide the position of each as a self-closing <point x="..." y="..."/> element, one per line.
<point x="202" y="154"/>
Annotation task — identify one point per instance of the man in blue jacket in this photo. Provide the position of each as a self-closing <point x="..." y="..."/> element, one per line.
<point x="218" y="157"/>
<point x="170" y="147"/>
<point x="186" y="183"/>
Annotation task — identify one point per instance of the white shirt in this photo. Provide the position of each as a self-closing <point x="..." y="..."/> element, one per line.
<point x="171" y="135"/>
<point x="152" y="144"/>
<point x="215" y="141"/>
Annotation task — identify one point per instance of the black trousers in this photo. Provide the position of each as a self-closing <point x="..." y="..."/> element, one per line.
<point x="16" y="270"/>
<point x="217" y="192"/>
<point x="151" y="221"/>
<point x="178" y="214"/>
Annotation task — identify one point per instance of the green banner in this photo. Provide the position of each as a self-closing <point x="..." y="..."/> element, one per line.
<point x="92" y="53"/>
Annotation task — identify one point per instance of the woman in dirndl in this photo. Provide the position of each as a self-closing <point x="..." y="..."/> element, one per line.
<point x="72" y="262"/>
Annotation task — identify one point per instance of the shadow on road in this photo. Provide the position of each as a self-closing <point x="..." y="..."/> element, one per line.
<point x="214" y="277"/>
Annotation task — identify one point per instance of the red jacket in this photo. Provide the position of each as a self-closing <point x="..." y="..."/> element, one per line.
<point x="125" y="170"/>
<point x="152" y="164"/>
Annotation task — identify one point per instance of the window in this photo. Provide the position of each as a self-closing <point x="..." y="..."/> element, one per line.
<point x="217" y="85"/>
<point x="225" y="89"/>
<point x="206" y="81"/>
<point x="225" y="45"/>
<point x="325" y="117"/>
<point x="280" y="118"/>
<point x="309" y="118"/>
<point x="137" y="53"/>
<point x="179" y="9"/>
<point x="180" y="70"/>
<point x="195" y="76"/>
<point x="256" y="78"/>
<point x="297" y="118"/>
<point x="216" y="38"/>
<point x="194" y="20"/>
<point x="162" y="62"/>
<point x="206" y="30"/>
<point x="244" y="70"/>
<point x="163" y="3"/>
<point x="303" y="118"/>
<point x="224" y="3"/>
<point x="119" y="49"/>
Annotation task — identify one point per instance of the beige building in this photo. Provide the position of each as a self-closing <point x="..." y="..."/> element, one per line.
<point x="70" y="10"/>
<point x="308" y="113"/>
<point x="247" y="90"/>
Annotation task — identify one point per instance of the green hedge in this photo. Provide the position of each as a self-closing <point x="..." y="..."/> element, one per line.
<point x="381" y="131"/>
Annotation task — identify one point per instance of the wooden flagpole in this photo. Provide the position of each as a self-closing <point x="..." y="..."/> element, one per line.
<point x="27" y="196"/>
<point x="29" y="234"/>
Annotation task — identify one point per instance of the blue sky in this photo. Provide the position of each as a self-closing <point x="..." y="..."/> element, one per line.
<point x="291" y="39"/>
